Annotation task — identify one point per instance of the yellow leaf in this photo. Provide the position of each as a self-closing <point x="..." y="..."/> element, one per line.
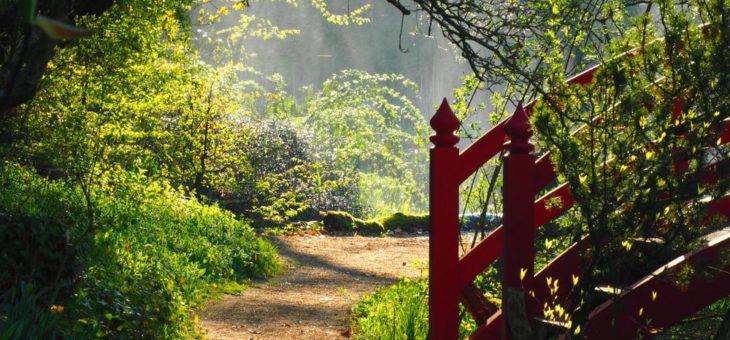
<point x="575" y="280"/>
<point x="649" y="154"/>
<point x="653" y="295"/>
<point x="577" y="330"/>
<point x="626" y="244"/>
<point x="223" y="10"/>
<point x="523" y="272"/>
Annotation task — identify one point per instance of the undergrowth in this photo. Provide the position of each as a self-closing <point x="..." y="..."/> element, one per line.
<point x="128" y="259"/>
<point x="399" y="312"/>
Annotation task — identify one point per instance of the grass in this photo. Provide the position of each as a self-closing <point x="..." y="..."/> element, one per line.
<point x="398" y="312"/>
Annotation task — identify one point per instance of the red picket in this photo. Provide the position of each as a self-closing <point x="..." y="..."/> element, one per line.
<point x="518" y="255"/>
<point x="444" y="238"/>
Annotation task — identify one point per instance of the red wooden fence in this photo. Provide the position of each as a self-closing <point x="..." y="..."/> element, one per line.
<point x="451" y="276"/>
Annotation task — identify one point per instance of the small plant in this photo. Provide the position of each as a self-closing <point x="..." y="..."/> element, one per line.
<point x="399" y="312"/>
<point x="396" y="312"/>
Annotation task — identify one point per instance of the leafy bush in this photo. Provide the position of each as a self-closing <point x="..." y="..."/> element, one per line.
<point x="368" y="123"/>
<point x="135" y="255"/>
<point x="398" y="312"/>
<point x="283" y="184"/>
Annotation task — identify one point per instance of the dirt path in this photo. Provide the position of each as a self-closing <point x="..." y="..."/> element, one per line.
<point x="325" y="277"/>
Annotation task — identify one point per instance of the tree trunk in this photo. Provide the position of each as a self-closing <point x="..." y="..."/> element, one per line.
<point x="26" y="50"/>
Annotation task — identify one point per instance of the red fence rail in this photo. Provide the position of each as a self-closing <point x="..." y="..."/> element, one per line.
<point x="451" y="277"/>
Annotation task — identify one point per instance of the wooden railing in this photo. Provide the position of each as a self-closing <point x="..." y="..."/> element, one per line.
<point x="451" y="276"/>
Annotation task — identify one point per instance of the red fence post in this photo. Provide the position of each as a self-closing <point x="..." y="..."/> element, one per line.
<point x="444" y="236"/>
<point x="518" y="252"/>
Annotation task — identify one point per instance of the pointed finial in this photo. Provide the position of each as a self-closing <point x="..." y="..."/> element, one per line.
<point x="519" y="131"/>
<point x="445" y="123"/>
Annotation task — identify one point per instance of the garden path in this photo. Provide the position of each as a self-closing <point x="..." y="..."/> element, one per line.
<point x="325" y="277"/>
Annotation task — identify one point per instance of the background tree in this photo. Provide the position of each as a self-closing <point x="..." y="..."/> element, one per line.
<point x="366" y="123"/>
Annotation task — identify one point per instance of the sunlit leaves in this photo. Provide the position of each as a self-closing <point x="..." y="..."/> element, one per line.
<point x="355" y="16"/>
<point x="367" y="122"/>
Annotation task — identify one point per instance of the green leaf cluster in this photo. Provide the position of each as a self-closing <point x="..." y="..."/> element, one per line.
<point x="366" y="122"/>
<point x="635" y="157"/>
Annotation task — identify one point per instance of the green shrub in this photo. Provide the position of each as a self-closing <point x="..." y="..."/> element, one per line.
<point x="398" y="312"/>
<point x="129" y="265"/>
<point x="282" y="183"/>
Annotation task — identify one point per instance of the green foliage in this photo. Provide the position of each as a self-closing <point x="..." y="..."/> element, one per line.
<point x="366" y="122"/>
<point x="396" y="312"/>
<point x="161" y="109"/>
<point x="25" y="314"/>
<point x="283" y="181"/>
<point x="133" y="134"/>
<point x="354" y="16"/>
<point x="399" y="312"/>
<point x="133" y="262"/>
<point x="617" y="140"/>
<point x="614" y="141"/>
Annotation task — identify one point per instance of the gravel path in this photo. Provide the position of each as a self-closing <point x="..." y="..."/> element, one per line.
<point x="325" y="277"/>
